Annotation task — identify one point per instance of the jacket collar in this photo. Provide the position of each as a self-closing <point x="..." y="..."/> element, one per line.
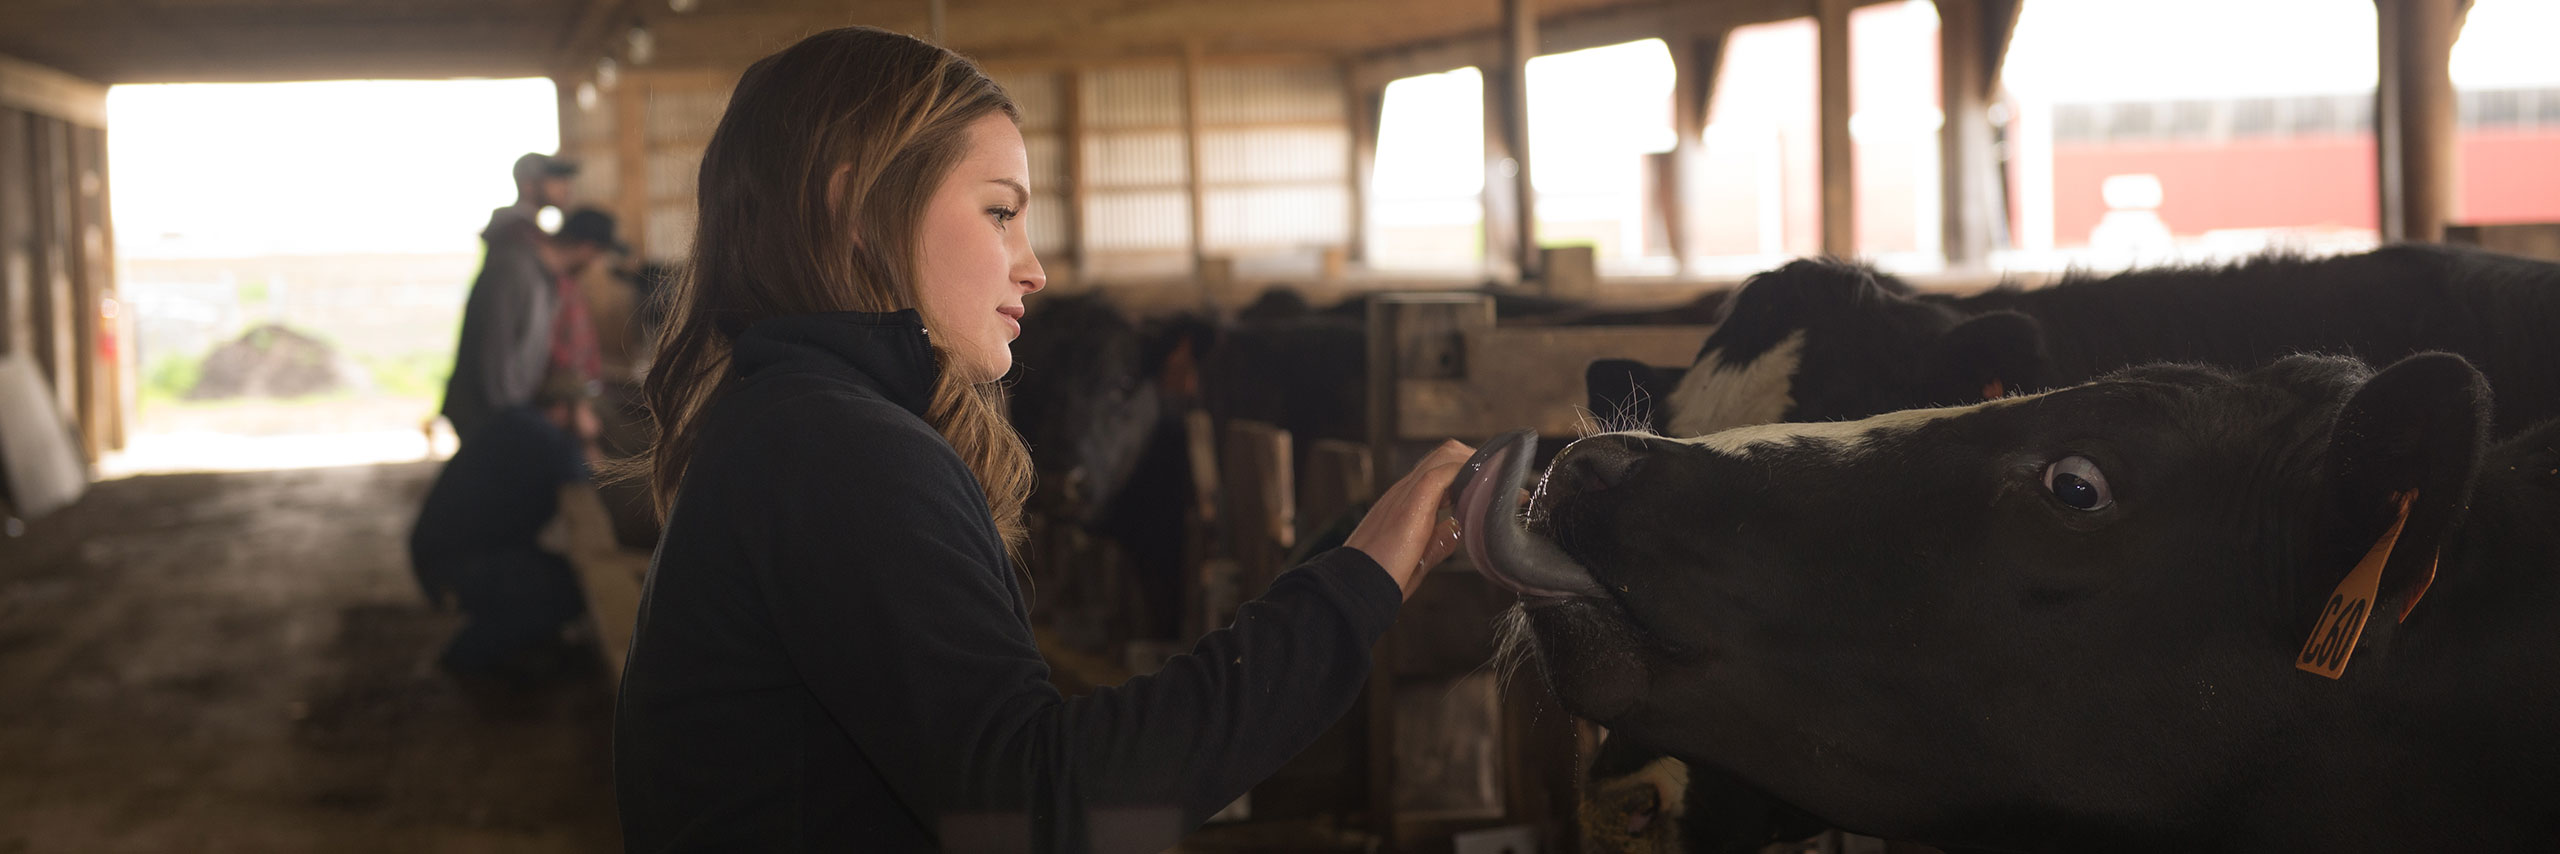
<point x="888" y="352"/>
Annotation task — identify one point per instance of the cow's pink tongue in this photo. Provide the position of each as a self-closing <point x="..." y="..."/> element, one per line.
<point x="1490" y="530"/>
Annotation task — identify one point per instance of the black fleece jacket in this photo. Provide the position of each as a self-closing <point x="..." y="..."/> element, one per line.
<point x="834" y="655"/>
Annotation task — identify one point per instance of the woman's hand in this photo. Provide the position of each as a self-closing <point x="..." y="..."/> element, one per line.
<point x="1410" y="530"/>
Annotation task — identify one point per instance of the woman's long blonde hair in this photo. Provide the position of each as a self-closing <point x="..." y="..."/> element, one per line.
<point x="812" y="191"/>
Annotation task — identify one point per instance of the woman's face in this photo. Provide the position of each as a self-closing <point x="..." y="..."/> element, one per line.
<point x="976" y="264"/>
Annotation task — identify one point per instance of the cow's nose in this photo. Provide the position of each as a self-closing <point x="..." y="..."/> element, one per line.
<point x="1594" y="464"/>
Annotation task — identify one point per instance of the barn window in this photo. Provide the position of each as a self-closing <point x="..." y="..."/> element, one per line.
<point x="2247" y="125"/>
<point x="1427" y="208"/>
<point x="2508" y="92"/>
<point x="1594" y="115"/>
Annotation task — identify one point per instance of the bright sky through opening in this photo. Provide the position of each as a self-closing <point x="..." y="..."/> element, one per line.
<point x="354" y="166"/>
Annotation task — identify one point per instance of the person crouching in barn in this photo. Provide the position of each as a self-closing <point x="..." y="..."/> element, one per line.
<point x="834" y="650"/>
<point x="479" y="542"/>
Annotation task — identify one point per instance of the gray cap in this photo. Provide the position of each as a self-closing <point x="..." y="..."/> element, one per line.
<point x="535" y="167"/>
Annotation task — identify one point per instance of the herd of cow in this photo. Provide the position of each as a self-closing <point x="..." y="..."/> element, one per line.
<point x="2148" y="576"/>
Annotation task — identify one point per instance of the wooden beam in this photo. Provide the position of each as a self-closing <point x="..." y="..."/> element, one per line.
<point x="584" y="39"/>
<point x="2414" y="126"/>
<point x="1839" y="150"/>
<point x="1071" y="139"/>
<point x="631" y="159"/>
<point x="56" y="346"/>
<point x="36" y="89"/>
<point x="1695" y="60"/>
<point x="17" y="237"/>
<point x="91" y="278"/>
<point x="1968" y="187"/>
<point x="1362" y="106"/>
<point x="1196" y="191"/>
<point x="1520" y="27"/>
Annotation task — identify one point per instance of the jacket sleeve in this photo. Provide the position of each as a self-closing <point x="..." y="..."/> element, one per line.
<point x="517" y="349"/>
<point x="899" y="612"/>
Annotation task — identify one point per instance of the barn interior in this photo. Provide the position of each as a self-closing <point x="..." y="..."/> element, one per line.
<point x="227" y="651"/>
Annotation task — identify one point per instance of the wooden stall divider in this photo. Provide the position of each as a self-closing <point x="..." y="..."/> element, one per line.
<point x="1441" y="367"/>
<point x="1259" y="502"/>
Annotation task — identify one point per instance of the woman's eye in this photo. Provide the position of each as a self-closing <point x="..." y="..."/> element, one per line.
<point x="1003" y="215"/>
<point x="2077" y="483"/>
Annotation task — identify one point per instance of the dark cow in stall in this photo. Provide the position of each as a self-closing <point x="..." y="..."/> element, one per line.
<point x="2309" y="607"/>
<point x="1099" y="398"/>
<point x="1821" y="340"/>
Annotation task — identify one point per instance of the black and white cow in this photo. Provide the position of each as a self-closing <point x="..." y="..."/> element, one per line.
<point x="2086" y="620"/>
<point x="1820" y="340"/>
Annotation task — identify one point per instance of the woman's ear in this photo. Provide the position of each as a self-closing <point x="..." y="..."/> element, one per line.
<point x="836" y="190"/>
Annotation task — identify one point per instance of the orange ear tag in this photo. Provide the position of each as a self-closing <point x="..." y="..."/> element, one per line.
<point x="2333" y="638"/>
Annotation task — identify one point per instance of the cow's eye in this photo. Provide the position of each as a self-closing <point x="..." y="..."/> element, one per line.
<point x="2077" y="483"/>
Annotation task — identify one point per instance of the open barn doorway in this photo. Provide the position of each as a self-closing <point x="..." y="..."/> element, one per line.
<point x="294" y="259"/>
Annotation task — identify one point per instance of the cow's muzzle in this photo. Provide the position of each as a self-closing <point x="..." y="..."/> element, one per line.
<point x="1501" y="547"/>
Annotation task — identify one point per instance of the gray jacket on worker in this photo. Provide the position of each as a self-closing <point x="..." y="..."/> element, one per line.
<point x="506" y="325"/>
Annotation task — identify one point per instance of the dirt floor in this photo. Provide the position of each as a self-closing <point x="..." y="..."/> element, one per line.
<point x="242" y="662"/>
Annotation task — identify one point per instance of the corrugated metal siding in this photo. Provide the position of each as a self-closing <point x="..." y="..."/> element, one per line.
<point x="1048" y="162"/>
<point x="1048" y="220"/>
<point x="682" y="117"/>
<point x="1145" y="158"/>
<point x="1243" y="94"/>
<point x="1138" y="220"/>
<point x="599" y="177"/>
<point x="1270" y="154"/>
<point x="1133" y="97"/>
<point x="673" y="172"/>
<point x="670" y="231"/>
<point x="1037" y="95"/>
<point x="1276" y="217"/>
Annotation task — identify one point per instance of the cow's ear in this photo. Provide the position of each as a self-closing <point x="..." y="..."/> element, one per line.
<point x="1992" y="355"/>
<point x="1625" y="394"/>
<point x="2410" y="436"/>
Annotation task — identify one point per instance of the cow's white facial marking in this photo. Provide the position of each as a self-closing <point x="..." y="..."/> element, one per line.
<point x="1846" y="438"/>
<point x="1718" y="396"/>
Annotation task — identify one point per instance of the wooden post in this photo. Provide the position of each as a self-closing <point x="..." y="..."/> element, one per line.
<point x="2414" y="122"/>
<point x="1071" y="150"/>
<point x="1364" y="104"/>
<point x="1839" y="151"/>
<point x="93" y="279"/>
<point x="1694" y="63"/>
<point x="1519" y="43"/>
<point x="1191" y="160"/>
<point x="17" y="267"/>
<point x="1972" y="36"/>
<point x="55" y="344"/>
<point x="631" y="159"/>
<point x="1378" y="701"/>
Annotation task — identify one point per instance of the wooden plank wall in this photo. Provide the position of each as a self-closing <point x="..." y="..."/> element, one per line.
<point x="57" y="261"/>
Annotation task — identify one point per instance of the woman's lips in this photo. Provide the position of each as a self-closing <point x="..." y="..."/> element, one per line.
<point x="1012" y="318"/>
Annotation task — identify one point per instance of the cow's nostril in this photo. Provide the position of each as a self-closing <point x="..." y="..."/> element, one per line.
<point x="1593" y="465"/>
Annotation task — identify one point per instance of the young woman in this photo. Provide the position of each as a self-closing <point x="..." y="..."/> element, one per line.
<point x="834" y="653"/>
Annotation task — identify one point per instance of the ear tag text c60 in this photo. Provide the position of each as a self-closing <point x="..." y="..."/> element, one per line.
<point x="2333" y="638"/>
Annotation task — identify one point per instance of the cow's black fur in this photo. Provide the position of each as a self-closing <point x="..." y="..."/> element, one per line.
<point x="1874" y="346"/>
<point x="1920" y="641"/>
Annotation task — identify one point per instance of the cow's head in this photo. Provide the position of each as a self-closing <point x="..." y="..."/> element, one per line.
<point x="1089" y="390"/>
<point x="2072" y="612"/>
<point x="1876" y="347"/>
